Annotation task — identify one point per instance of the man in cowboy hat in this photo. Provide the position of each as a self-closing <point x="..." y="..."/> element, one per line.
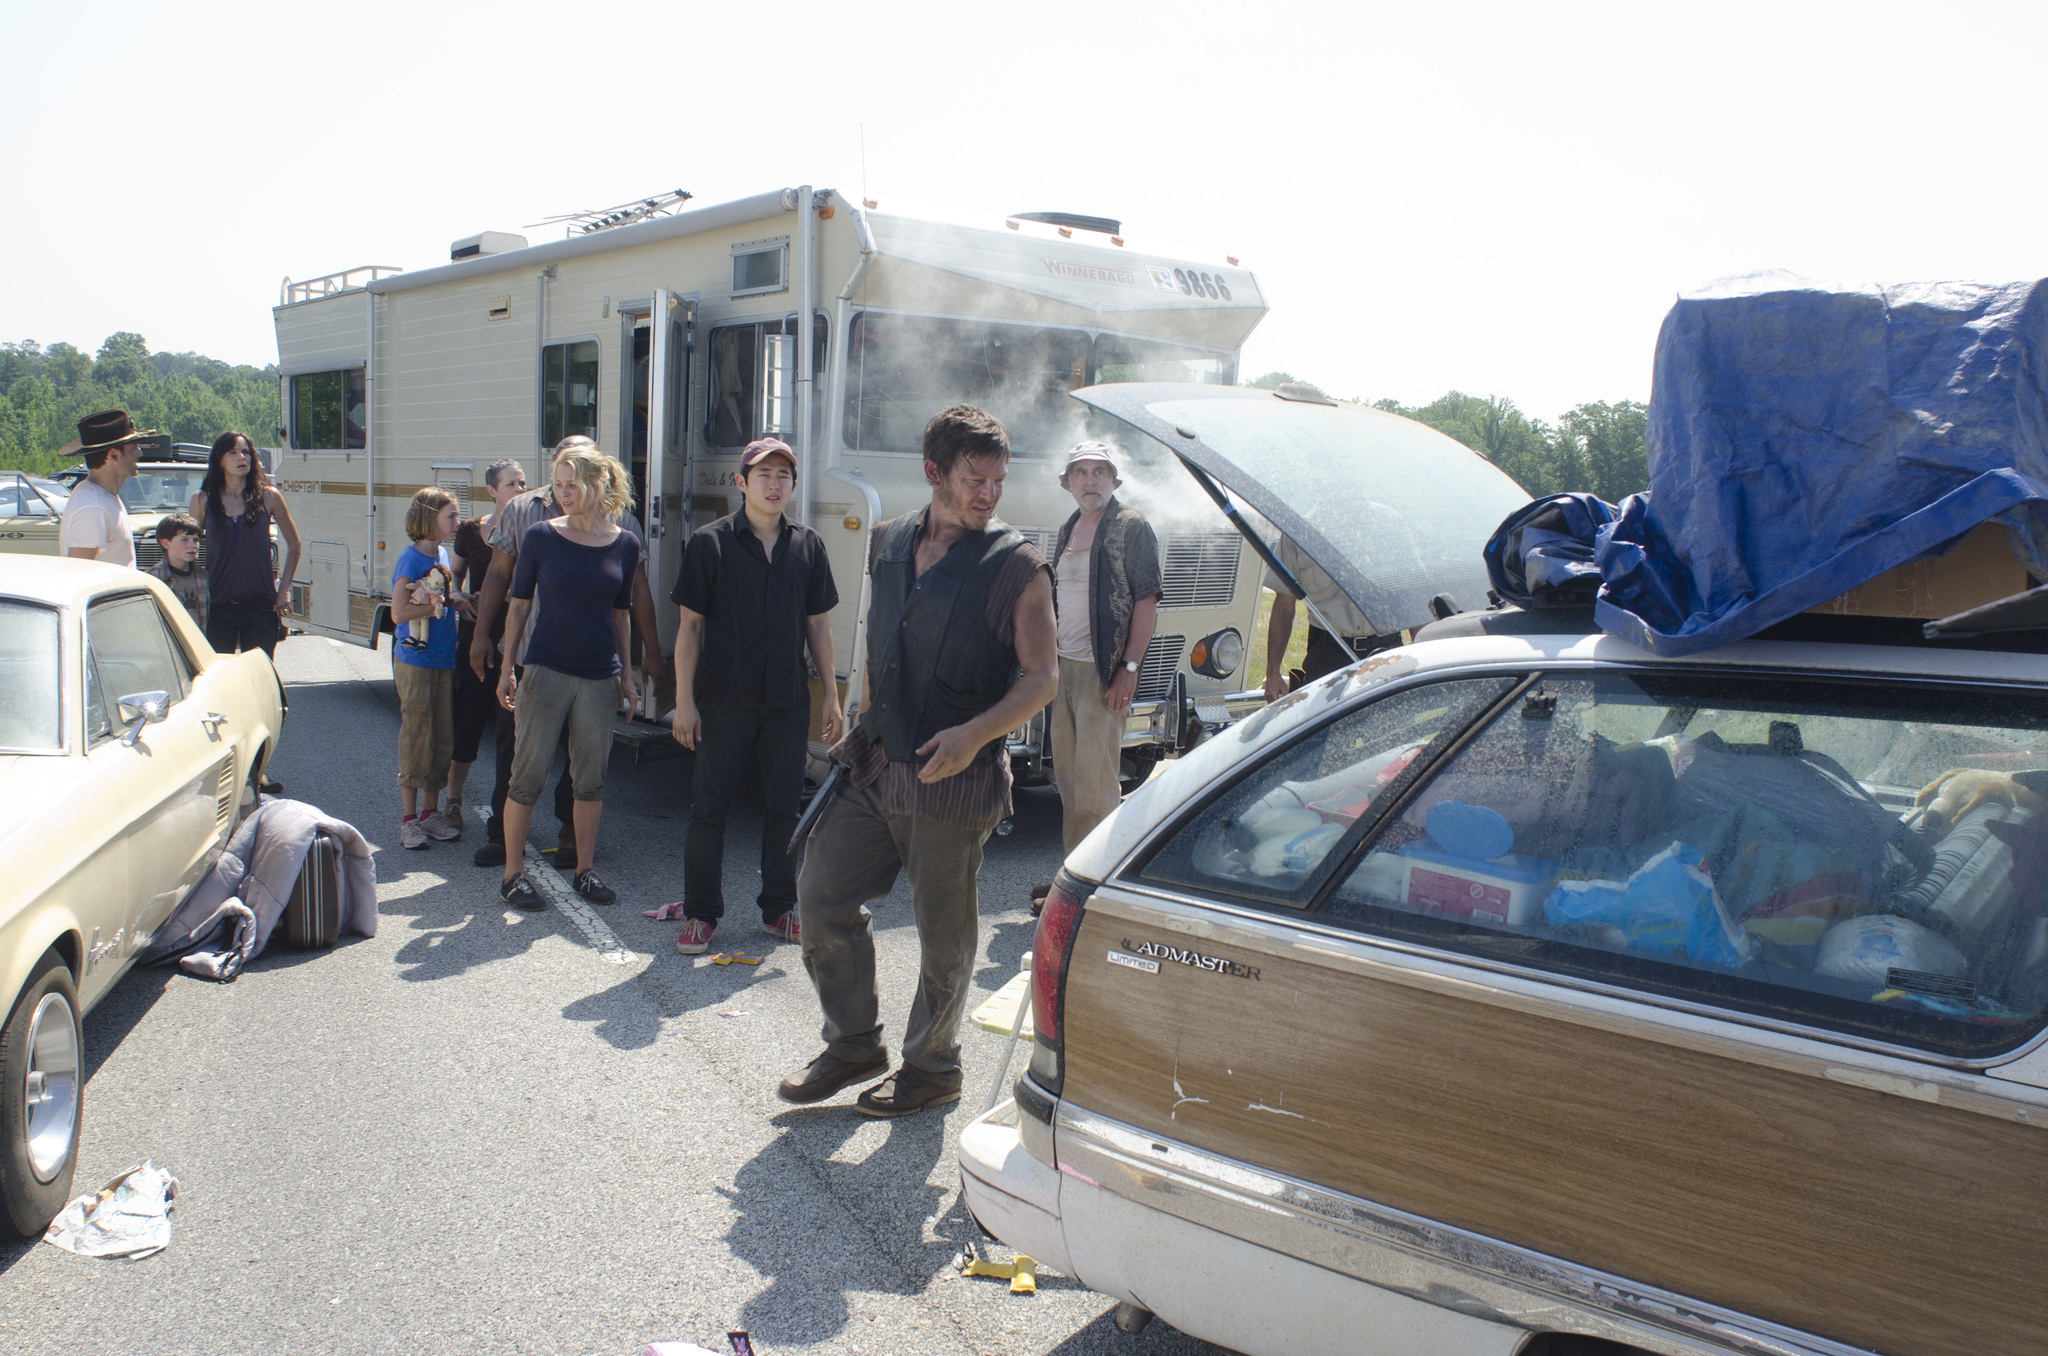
<point x="95" y="524"/>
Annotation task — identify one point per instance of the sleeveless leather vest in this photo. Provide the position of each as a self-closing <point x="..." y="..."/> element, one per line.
<point x="933" y="661"/>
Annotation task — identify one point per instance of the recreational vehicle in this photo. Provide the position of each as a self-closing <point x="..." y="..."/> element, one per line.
<point x="675" y="337"/>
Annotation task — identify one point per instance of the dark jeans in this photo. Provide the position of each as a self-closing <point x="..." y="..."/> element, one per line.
<point x="774" y="737"/>
<point x="565" y="794"/>
<point x="243" y="626"/>
<point x="476" y="705"/>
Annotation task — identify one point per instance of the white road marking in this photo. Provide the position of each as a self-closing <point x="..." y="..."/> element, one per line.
<point x="595" y="930"/>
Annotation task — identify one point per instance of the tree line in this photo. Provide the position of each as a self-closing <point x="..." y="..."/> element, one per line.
<point x="44" y="392"/>
<point x="189" y="397"/>
<point x="1597" y="447"/>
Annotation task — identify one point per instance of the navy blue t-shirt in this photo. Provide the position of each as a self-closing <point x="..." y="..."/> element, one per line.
<point x="578" y="588"/>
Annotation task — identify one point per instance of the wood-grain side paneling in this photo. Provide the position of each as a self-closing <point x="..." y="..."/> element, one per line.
<point x="1905" y="1227"/>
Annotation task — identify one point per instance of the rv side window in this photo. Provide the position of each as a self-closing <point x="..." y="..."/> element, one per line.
<point x="735" y="349"/>
<point x="731" y="407"/>
<point x="568" y="391"/>
<point x="761" y="267"/>
<point x="328" y="410"/>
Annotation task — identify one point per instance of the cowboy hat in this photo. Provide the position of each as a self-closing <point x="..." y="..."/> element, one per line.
<point x="109" y="428"/>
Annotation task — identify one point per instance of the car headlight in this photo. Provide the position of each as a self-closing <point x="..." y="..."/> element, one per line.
<point x="1218" y="655"/>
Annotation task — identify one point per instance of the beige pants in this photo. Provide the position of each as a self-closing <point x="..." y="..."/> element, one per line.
<point x="1087" y="747"/>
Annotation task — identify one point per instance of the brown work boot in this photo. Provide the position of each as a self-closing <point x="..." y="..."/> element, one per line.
<point x="828" y="1074"/>
<point x="908" y="1090"/>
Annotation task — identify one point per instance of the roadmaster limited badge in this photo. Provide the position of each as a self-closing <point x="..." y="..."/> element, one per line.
<point x="1160" y="951"/>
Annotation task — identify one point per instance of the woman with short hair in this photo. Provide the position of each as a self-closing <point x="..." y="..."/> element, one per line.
<point x="574" y="580"/>
<point x="235" y="506"/>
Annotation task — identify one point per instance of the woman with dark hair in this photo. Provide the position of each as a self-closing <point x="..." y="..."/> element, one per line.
<point x="235" y="506"/>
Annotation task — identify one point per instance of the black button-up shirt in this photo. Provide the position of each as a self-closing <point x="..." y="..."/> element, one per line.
<point x="754" y="610"/>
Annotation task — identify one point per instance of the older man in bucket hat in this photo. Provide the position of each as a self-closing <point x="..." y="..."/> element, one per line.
<point x="1106" y="586"/>
<point x="95" y="523"/>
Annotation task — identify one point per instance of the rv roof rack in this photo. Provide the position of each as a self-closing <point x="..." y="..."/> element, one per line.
<point x="348" y="280"/>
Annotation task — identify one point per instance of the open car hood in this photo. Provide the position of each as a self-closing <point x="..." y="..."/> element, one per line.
<point x="1393" y="511"/>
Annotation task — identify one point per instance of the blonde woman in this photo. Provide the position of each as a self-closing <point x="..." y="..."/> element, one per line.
<point x="575" y="578"/>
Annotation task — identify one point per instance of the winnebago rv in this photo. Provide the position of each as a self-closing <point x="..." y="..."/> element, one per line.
<point x="676" y="340"/>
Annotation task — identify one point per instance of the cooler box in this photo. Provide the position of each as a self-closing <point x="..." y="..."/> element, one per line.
<point x="1506" y="889"/>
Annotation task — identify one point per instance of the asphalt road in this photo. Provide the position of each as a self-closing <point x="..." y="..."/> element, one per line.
<point x="475" y="1133"/>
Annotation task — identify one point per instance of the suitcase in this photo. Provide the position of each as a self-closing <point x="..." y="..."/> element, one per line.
<point x="312" y="916"/>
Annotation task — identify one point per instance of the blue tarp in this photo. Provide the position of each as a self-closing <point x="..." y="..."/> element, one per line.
<point x="1805" y="439"/>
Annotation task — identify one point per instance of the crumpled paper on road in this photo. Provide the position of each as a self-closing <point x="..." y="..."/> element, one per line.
<point x="128" y="1217"/>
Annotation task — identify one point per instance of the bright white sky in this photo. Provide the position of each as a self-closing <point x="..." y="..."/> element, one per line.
<point x="1499" y="198"/>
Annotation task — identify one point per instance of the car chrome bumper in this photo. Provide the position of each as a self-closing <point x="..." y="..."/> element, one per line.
<point x="1205" y="1283"/>
<point x="1147" y="723"/>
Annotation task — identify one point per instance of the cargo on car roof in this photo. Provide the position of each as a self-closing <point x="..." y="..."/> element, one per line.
<point x="1804" y="440"/>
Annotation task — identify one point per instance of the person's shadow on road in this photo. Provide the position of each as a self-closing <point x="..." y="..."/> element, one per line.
<point x="819" y="1227"/>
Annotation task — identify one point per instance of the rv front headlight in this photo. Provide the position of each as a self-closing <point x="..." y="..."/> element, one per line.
<point x="1218" y="655"/>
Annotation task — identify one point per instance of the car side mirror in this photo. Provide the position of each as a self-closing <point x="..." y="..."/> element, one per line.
<point x="143" y="708"/>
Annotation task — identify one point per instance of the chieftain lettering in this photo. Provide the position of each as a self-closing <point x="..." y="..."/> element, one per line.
<point x="1215" y="965"/>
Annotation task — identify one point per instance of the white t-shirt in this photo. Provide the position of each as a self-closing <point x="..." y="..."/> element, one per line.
<point x="98" y="520"/>
<point x="1076" y="640"/>
<point x="1343" y="614"/>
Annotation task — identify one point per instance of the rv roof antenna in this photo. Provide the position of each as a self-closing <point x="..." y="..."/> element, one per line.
<point x="625" y="214"/>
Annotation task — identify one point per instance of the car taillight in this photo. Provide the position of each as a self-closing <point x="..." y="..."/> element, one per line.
<point x="1050" y="951"/>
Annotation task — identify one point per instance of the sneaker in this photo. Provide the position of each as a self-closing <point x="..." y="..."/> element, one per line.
<point x="565" y="855"/>
<point x="827" y="1074"/>
<point x="593" y="889"/>
<point x="437" y="827"/>
<point x="490" y="854"/>
<point x="520" y="894"/>
<point x="1038" y="894"/>
<point x="785" y="927"/>
<point x="909" y="1090"/>
<point x="695" y="938"/>
<point x="270" y="786"/>
<point x="411" y="835"/>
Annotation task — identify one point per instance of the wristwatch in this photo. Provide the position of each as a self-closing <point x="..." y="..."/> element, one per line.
<point x="1130" y="666"/>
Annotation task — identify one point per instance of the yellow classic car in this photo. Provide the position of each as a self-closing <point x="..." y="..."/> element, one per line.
<point x="128" y="748"/>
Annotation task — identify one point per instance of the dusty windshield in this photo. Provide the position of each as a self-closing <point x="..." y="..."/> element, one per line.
<point x="1402" y="511"/>
<point x="901" y="370"/>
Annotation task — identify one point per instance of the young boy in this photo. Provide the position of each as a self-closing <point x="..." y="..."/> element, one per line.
<point x="424" y="600"/>
<point x="178" y="535"/>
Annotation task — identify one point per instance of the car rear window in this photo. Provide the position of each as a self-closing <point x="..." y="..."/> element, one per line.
<point x="31" y="716"/>
<point x="1868" y="858"/>
<point x="1276" y="834"/>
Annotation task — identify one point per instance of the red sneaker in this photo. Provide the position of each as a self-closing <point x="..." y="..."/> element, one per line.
<point x="784" y="927"/>
<point x="695" y="938"/>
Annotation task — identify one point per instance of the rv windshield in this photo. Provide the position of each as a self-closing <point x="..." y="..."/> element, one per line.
<point x="902" y="369"/>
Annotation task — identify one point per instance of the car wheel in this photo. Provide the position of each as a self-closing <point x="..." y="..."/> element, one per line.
<point x="42" y="1074"/>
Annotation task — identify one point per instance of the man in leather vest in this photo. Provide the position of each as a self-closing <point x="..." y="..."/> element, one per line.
<point x="960" y="651"/>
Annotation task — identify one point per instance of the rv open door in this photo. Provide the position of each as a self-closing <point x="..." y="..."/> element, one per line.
<point x="664" y="484"/>
<point x="674" y="323"/>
